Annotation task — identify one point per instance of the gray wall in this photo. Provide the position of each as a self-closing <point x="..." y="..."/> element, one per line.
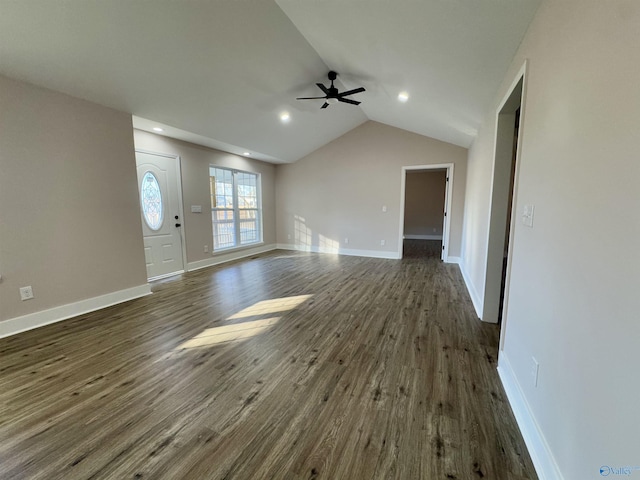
<point x="424" y="203"/>
<point x="339" y="190"/>
<point x="69" y="218"/>
<point x="195" y="162"/>
<point x="573" y="300"/>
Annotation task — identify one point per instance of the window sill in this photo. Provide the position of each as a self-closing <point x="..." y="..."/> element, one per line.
<point x="216" y="253"/>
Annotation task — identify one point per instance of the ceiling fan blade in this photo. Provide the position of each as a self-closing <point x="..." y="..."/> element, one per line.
<point x="346" y="100"/>
<point x="351" y="92"/>
<point x="325" y="105"/>
<point x="323" y="88"/>
<point x="309" y="98"/>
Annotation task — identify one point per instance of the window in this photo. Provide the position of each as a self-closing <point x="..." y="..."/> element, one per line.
<point x="151" y="200"/>
<point x="235" y="208"/>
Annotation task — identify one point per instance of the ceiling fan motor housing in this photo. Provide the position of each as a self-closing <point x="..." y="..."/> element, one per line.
<point x="333" y="91"/>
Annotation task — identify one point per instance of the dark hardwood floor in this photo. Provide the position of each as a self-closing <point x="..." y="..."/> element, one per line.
<point x="283" y="366"/>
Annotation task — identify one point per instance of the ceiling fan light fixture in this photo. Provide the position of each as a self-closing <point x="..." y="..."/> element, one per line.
<point x="403" y="97"/>
<point x="332" y="95"/>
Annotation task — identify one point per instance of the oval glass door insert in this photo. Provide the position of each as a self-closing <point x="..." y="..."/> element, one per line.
<point x="151" y="200"/>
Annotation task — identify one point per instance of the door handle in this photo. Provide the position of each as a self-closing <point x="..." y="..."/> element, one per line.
<point x="178" y="225"/>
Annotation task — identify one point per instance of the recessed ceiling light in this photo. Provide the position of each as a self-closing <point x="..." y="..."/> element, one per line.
<point x="158" y="129"/>
<point x="403" y="96"/>
<point x="284" y="116"/>
<point x="246" y="154"/>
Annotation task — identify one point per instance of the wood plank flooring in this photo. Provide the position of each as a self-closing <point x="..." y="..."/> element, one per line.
<point x="284" y="366"/>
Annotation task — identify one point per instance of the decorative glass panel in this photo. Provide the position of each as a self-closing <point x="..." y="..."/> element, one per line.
<point x="151" y="199"/>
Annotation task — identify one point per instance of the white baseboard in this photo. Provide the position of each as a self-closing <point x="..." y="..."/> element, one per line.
<point x="166" y="275"/>
<point x="543" y="461"/>
<point x="63" y="312"/>
<point x="451" y="259"/>
<point x="473" y="293"/>
<point x="340" y="251"/>
<point x="423" y="237"/>
<point x="227" y="257"/>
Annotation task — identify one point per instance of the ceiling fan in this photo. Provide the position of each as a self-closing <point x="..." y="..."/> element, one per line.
<point x="332" y="95"/>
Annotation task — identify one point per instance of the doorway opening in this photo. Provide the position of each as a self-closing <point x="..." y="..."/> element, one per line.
<point x="425" y="203"/>
<point x="503" y="194"/>
<point x="503" y="280"/>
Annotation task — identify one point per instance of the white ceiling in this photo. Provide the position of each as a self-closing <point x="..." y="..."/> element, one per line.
<point x="220" y="72"/>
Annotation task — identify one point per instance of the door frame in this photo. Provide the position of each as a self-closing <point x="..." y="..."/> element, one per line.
<point x="448" y="192"/>
<point x="502" y="156"/>
<point x="183" y="240"/>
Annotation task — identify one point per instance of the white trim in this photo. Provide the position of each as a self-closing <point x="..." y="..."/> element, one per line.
<point x="166" y="275"/>
<point x="451" y="259"/>
<point x="520" y="76"/>
<point x="183" y="234"/>
<point x="224" y="257"/>
<point x="541" y="456"/>
<point x="423" y="237"/>
<point x="516" y="79"/>
<point x="149" y="152"/>
<point x="522" y="73"/>
<point x="63" y="312"/>
<point x="446" y="231"/>
<point x="447" y="202"/>
<point x="340" y="251"/>
<point x="473" y="293"/>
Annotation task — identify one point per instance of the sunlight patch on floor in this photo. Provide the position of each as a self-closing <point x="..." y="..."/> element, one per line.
<point x="267" y="307"/>
<point x="247" y="329"/>
<point x="228" y="333"/>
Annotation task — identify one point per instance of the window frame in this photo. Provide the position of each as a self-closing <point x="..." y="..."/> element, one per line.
<point x="236" y="210"/>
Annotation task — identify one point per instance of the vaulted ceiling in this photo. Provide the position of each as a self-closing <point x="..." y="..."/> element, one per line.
<point x="221" y="72"/>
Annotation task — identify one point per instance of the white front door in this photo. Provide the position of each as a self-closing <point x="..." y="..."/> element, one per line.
<point x="158" y="184"/>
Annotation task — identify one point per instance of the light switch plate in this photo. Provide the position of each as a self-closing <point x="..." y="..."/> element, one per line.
<point x="196" y="208"/>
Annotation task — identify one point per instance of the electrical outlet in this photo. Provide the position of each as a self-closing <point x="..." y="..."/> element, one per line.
<point x="382" y="242"/>
<point x="535" y="369"/>
<point x="346" y="240"/>
<point x="384" y="208"/>
<point x="26" y="293"/>
<point x="289" y="237"/>
<point x="206" y="249"/>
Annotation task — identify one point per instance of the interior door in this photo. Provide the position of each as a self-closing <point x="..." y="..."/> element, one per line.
<point x="158" y="184"/>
